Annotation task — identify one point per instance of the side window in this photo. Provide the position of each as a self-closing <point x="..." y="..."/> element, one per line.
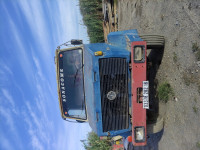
<point x="139" y="54"/>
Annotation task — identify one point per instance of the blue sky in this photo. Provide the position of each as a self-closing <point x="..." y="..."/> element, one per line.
<point x="30" y="31"/>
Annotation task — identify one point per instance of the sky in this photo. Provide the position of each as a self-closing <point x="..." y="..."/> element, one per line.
<point x="30" y="31"/>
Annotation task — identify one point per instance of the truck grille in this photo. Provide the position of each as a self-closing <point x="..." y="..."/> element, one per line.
<point x="114" y="93"/>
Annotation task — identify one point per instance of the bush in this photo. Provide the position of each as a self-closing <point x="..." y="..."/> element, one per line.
<point x="93" y="19"/>
<point x="94" y="143"/>
<point x="164" y="92"/>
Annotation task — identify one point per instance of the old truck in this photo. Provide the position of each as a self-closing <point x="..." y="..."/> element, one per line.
<point x="106" y="84"/>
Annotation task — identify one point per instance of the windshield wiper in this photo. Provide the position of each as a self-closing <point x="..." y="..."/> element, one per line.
<point x="82" y="105"/>
<point x="77" y="70"/>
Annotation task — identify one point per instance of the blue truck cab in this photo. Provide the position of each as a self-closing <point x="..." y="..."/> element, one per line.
<point x="108" y="84"/>
<point x="94" y="83"/>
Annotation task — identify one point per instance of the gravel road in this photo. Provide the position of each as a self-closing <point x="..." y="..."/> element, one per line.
<point x="179" y="22"/>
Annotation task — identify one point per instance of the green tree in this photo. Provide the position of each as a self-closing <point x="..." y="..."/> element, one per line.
<point x="93" y="142"/>
<point x="93" y="19"/>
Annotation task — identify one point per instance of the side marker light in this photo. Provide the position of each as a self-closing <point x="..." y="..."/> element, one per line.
<point x="98" y="53"/>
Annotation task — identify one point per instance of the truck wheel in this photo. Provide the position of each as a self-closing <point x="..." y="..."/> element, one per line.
<point x="155" y="126"/>
<point x="153" y="41"/>
<point x="130" y="146"/>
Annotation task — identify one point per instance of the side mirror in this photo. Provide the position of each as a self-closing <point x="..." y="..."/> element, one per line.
<point x="76" y="42"/>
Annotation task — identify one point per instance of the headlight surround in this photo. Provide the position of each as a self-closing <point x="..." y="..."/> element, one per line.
<point x="139" y="134"/>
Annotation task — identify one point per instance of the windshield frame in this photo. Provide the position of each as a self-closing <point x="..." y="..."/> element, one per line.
<point x="58" y="51"/>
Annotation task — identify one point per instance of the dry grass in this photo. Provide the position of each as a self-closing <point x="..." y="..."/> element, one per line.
<point x="195" y="109"/>
<point x="188" y="78"/>
<point x="191" y="78"/>
<point x="196" y="50"/>
<point x="198" y="145"/>
<point x="195" y="47"/>
<point x="195" y="100"/>
<point x="175" y="58"/>
<point x="198" y="55"/>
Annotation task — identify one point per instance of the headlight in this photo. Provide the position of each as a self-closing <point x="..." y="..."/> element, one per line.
<point x="139" y="134"/>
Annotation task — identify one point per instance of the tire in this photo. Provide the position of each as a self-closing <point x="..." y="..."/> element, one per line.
<point x="155" y="126"/>
<point x="130" y="146"/>
<point x="153" y="41"/>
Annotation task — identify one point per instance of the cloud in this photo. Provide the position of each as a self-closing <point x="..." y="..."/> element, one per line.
<point x="36" y="20"/>
<point x="39" y="113"/>
<point x="66" y="25"/>
<point x="39" y="35"/>
<point x="51" y="30"/>
<point x="37" y="129"/>
<point x="34" y="113"/>
<point x="33" y="132"/>
<point x="5" y="74"/>
<point x="45" y="134"/>
<point x="22" y="54"/>
<point x="6" y="68"/>
<point x="62" y="135"/>
<point x="68" y="22"/>
<point x="5" y="143"/>
<point x="8" y="98"/>
<point x="9" y="120"/>
<point x="38" y="67"/>
<point x="17" y="46"/>
<point x="35" y="142"/>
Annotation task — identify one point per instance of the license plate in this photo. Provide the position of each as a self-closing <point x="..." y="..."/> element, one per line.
<point x="146" y="94"/>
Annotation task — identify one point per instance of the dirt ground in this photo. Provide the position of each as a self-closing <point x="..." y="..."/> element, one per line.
<point x="179" y="22"/>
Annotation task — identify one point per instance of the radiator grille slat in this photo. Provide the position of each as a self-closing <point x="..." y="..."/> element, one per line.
<point x="114" y="77"/>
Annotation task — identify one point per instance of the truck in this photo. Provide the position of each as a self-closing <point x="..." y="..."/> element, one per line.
<point x="107" y="84"/>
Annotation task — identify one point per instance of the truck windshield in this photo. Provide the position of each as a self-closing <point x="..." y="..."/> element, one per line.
<point x="71" y="83"/>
